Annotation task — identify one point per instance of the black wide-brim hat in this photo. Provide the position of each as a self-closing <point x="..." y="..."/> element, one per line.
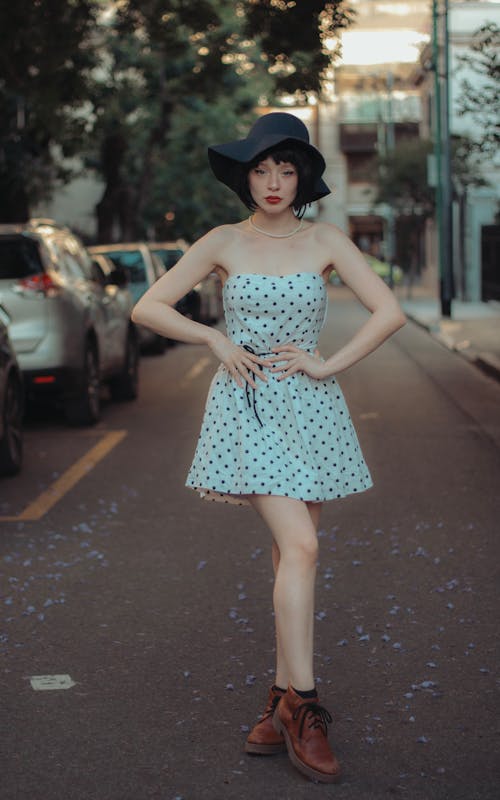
<point x="269" y="131"/>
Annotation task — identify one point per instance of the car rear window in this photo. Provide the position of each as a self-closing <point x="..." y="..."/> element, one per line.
<point x="132" y="261"/>
<point x="169" y="257"/>
<point x="19" y="258"/>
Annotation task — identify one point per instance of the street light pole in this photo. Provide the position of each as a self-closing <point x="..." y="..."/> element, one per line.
<point x="440" y="43"/>
<point x="390" y="145"/>
<point x="448" y="283"/>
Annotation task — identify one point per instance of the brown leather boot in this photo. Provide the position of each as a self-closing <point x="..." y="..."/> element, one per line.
<point x="303" y="723"/>
<point x="263" y="739"/>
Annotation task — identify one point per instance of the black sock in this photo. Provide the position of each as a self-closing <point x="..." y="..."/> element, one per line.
<point x="309" y="694"/>
<point x="278" y="689"/>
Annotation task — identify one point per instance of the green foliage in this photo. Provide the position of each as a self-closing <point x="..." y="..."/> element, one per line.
<point x="185" y="75"/>
<point x="185" y="184"/>
<point x="139" y="88"/>
<point x="403" y="184"/>
<point x="402" y="175"/>
<point x="292" y="36"/>
<point x="402" y="178"/>
<point x="45" y="61"/>
<point x="481" y="99"/>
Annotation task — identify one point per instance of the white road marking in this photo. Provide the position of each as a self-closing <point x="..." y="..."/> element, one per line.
<point x="46" y="683"/>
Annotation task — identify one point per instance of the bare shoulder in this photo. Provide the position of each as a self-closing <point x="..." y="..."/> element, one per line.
<point x="213" y="243"/>
<point x="216" y="238"/>
<point x="330" y="234"/>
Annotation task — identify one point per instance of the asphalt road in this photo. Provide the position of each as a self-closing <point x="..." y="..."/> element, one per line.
<point x="158" y="605"/>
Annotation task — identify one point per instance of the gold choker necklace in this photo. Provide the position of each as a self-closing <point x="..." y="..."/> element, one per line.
<point x="274" y="235"/>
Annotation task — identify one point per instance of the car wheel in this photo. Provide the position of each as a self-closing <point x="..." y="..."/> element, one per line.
<point x="11" y="445"/>
<point x="84" y="407"/>
<point x="125" y="386"/>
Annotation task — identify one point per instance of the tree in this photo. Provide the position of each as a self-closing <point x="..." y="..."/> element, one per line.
<point x="481" y="97"/>
<point x="168" y="62"/>
<point x="45" y="62"/>
<point x="182" y="75"/>
<point x="292" y="36"/>
<point x="402" y="182"/>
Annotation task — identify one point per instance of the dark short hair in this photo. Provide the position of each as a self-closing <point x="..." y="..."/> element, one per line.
<point x="280" y="154"/>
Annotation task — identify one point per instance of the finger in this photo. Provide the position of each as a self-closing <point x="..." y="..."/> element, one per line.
<point x="288" y="359"/>
<point x="284" y="355"/>
<point x="288" y="372"/>
<point x="289" y="346"/>
<point x="253" y="357"/>
<point x="257" y="371"/>
<point x="259" y="374"/>
<point x="247" y="376"/>
<point x="236" y="377"/>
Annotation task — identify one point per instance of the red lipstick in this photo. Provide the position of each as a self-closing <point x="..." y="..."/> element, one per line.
<point x="272" y="199"/>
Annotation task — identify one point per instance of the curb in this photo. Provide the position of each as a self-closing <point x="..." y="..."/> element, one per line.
<point x="486" y="362"/>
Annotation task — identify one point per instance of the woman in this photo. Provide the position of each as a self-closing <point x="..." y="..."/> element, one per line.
<point x="276" y="432"/>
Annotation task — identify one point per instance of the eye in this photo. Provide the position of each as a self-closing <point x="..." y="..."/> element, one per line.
<point x="288" y="172"/>
<point x="259" y="171"/>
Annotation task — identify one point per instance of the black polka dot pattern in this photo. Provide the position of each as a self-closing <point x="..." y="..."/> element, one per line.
<point x="294" y="437"/>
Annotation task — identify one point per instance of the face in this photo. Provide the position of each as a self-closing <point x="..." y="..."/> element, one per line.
<point x="273" y="186"/>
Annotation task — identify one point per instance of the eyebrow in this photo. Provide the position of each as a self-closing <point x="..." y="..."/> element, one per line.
<point x="279" y="164"/>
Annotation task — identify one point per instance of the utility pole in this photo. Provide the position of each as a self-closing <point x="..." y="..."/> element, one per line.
<point x="442" y="149"/>
<point x="390" y="145"/>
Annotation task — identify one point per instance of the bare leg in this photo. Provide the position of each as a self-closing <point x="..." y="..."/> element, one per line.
<point x="282" y="671"/>
<point x="294" y="558"/>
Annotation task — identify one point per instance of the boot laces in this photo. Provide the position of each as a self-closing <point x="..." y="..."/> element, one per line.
<point x="318" y="716"/>
<point x="271" y="708"/>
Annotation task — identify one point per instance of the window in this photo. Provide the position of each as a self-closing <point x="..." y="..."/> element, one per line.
<point x="361" y="167"/>
<point x="132" y="261"/>
<point x="19" y="258"/>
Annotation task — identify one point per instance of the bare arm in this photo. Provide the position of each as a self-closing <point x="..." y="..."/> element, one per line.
<point x="386" y="314"/>
<point x="156" y="309"/>
<point x="385" y="319"/>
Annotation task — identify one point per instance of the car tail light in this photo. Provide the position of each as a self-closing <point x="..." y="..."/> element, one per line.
<point x="42" y="282"/>
<point x="44" y="379"/>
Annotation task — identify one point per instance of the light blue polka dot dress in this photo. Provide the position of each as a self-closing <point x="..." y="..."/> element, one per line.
<point x="293" y="437"/>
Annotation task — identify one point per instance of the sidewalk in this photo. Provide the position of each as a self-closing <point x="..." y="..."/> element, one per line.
<point x="473" y="329"/>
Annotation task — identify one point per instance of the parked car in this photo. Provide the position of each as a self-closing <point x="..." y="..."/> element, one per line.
<point x="11" y="403"/>
<point x="70" y="319"/>
<point x="169" y="253"/>
<point x="204" y="302"/>
<point x="143" y="269"/>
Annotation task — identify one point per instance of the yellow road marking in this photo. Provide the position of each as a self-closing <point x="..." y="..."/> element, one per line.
<point x="68" y="479"/>
<point x="195" y="370"/>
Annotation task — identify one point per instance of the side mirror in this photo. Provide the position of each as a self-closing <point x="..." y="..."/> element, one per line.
<point x="119" y="277"/>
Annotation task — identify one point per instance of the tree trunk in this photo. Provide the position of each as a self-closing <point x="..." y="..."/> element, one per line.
<point x="114" y="218"/>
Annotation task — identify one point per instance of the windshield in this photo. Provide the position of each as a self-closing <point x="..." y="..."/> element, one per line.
<point x="19" y="258"/>
<point x="169" y="257"/>
<point x="132" y="261"/>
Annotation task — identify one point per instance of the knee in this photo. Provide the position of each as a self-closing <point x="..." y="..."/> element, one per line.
<point x="305" y="550"/>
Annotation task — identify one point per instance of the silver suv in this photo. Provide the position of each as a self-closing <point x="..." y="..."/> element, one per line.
<point x="69" y="321"/>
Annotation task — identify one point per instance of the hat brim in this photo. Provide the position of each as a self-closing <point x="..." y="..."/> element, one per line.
<point x="224" y="157"/>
